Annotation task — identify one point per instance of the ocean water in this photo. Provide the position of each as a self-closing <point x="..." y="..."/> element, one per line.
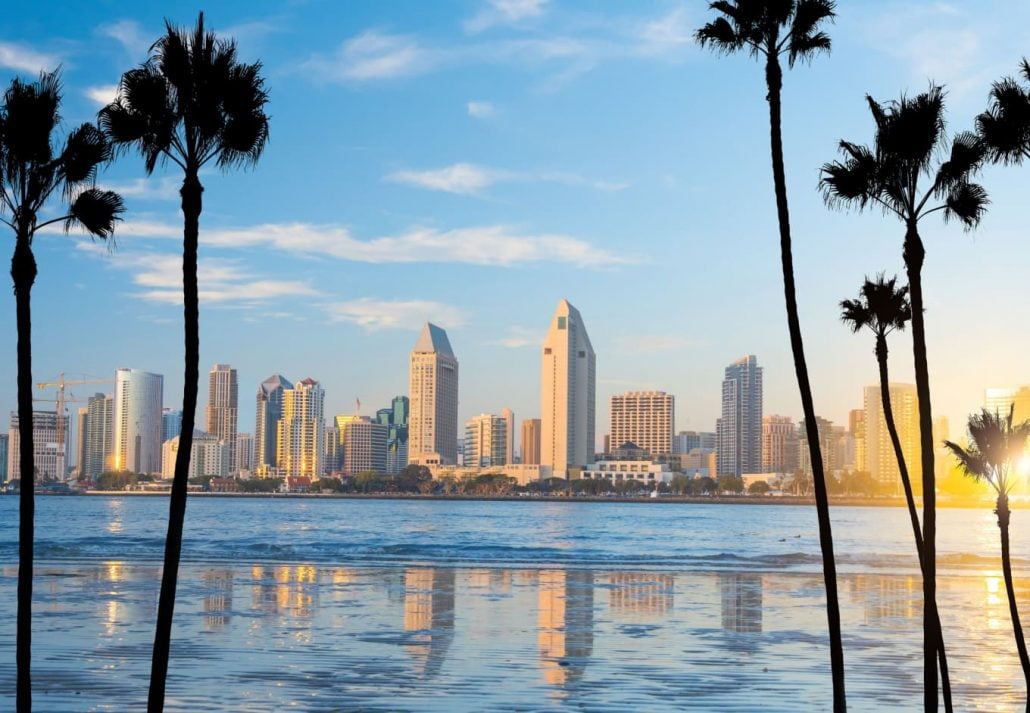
<point x="518" y="605"/>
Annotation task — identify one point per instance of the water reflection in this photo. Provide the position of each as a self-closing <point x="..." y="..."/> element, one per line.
<point x="284" y="589"/>
<point x="428" y="617"/>
<point x="648" y="595"/>
<point x="217" y="605"/>
<point x="741" y="602"/>
<point x="565" y="623"/>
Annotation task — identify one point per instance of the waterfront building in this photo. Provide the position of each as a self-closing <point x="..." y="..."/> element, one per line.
<point x="364" y="446"/>
<point x="567" y="393"/>
<point x="302" y="430"/>
<point x="832" y="446"/>
<point x="779" y="444"/>
<point x="81" y="431"/>
<point x="222" y="413"/>
<point x="138" y="421"/>
<point x="397" y="437"/>
<point x="4" y="449"/>
<point x="686" y="441"/>
<point x="209" y="456"/>
<point x="171" y="423"/>
<point x="1001" y="400"/>
<point x="739" y="430"/>
<point x="48" y="454"/>
<point x="244" y="453"/>
<point x="616" y="471"/>
<point x="881" y="462"/>
<point x="266" y="425"/>
<point x="486" y="440"/>
<point x="332" y="455"/>
<point x="98" y="437"/>
<point x="509" y="435"/>
<point x="531" y="441"/>
<point x="646" y="418"/>
<point x="856" y="427"/>
<point x="433" y="392"/>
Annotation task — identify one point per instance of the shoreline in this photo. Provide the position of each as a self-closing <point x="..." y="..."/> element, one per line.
<point x="848" y="501"/>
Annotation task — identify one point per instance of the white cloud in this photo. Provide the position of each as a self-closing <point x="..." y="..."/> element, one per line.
<point x="504" y="12"/>
<point x="129" y="34"/>
<point x="25" y="59"/>
<point x="519" y="338"/>
<point x="157" y="189"/>
<point x="667" y="34"/>
<point x="373" y="314"/>
<point x="463" y="178"/>
<point x="374" y="55"/>
<point x="102" y="94"/>
<point x="481" y="109"/>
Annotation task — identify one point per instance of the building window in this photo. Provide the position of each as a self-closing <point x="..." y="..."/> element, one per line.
<point x="561" y="323"/>
<point x="582" y="354"/>
<point x="547" y="350"/>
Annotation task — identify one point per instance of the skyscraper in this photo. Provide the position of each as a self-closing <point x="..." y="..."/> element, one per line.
<point x="364" y="446"/>
<point x="302" y="430"/>
<point x="687" y="441"/>
<point x="171" y="423"/>
<point x="531" y="441"/>
<point x="137" y="421"/>
<point x="81" y="431"/>
<point x="266" y="423"/>
<point x="779" y="444"/>
<point x="4" y="443"/>
<point x="244" y="452"/>
<point x="739" y="431"/>
<point x="567" y="393"/>
<point x="486" y="440"/>
<point x="644" y="418"/>
<point x="856" y="427"/>
<point x="223" y="408"/>
<point x="433" y="389"/>
<point x="879" y="451"/>
<point x="509" y="435"/>
<point x="99" y="436"/>
<point x="48" y="456"/>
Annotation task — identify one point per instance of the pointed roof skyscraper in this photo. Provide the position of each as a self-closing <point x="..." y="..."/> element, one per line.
<point x="433" y="391"/>
<point x="433" y="339"/>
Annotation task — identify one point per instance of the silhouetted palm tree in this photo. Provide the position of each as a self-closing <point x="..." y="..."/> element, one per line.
<point x="192" y="103"/>
<point x="910" y="138"/>
<point x="1005" y="127"/>
<point x="32" y="171"/>
<point x="769" y="31"/>
<point x="883" y="307"/>
<point x="996" y="449"/>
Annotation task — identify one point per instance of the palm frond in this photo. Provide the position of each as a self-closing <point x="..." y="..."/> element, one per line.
<point x="86" y="149"/>
<point x="30" y="116"/>
<point x="967" y="203"/>
<point x="852" y="181"/>
<point x="970" y="462"/>
<point x="967" y="154"/>
<point x="806" y="39"/>
<point x="97" y="211"/>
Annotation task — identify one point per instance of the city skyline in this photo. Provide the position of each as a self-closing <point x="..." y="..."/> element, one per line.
<point x="522" y="208"/>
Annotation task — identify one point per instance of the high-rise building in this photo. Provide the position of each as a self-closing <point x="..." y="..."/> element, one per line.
<point x="223" y="408"/>
<point x="687" y="441"/>
<point x="1000" y="401"/>
<point x="856" y="427"/>
<point x="433" y="389"/>
<point x="266" y="425"/>
<point x="332" y="449"/>
<point x="531" y="441"/>
<point x="832" y="446"/>
<point x="171" y="423"/>
<point x="397" y="438"/>
<point x="509" y="435"/>
<point x="567" y="393"/>
<point x="364" y="446"/>
<point x="244" y="452"/>
<point x="302" y="430"/>
<point x="81" y="431"/>
<point x="486" y="440"/>
<point x="4" y="443"/>
<point x="645" y="418"/>
<point x="48" y="456"/>
<point x="99" y="436"/>
<point x="881" y="462"/>
<point x="739" y="430"/>
<point x="137" y="421"/>
<point x="779" y="444"/>
<point x="209" y="456"/>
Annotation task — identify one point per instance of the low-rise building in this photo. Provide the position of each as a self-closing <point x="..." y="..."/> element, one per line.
<point x="614" y="471"/>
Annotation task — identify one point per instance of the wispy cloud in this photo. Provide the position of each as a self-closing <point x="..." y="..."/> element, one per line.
<point x="155" y="189"/>
<point x="374" y="314"/>
<point x="374" y="55"/>
<point x="25" y="59"/>
<point x="668" y="34"/>
<point x="128" y="34"/>
<point x="481" y="109"/>
<point x="504" y="12"/>
<point x="473" y="179"/>
<point x="519" y="338"/>
<point x="102" y="94"/>
<point x="495" y="245"/>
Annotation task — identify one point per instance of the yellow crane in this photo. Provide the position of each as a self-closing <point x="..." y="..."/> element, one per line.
<point x="60" y="401"/>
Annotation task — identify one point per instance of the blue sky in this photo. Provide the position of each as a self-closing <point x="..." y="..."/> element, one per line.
<point x="472" y="162"/>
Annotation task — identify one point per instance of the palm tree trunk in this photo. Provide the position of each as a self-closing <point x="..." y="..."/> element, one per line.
<point x="23" y="273"/>
<point x="1010" y="590"/>
<point x="888" y="416"/>
<point x="774" y="79"/>
<point x="913" y="254"/>
<point x="192" y="205"/>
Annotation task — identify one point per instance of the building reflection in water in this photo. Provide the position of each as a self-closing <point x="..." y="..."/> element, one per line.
<point x="428" y="617"/>
<point x="886" y="597"/>
<point x="217" y="605"/>
<point x="643" y="594"/>
<point x="284" y="589"/>
<point x="741" y="602"/>
<point x="566" y="624"/>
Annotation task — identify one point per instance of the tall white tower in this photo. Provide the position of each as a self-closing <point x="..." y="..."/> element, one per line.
<point x="433" y="392"/>
<point x="137" y="421"/>
<point x="567" y="393"/>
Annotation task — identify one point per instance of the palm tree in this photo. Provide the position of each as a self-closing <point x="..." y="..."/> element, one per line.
<point x="192" y="103"/>
<point x="32" y="171"/>
<point x="997" y="446"/>
<point x="883" y="307"/>
<point x="768" y="31"/>
<point x="910" y="138"/>
<point x="1005" y="126"/>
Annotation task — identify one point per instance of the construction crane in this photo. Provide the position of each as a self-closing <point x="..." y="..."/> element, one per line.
<point x="60" y="401"/>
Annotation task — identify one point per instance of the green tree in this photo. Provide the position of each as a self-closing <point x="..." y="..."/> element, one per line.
<point x="192" y="103"/>
<point x="769" y="31"/>
<point x="34" y="173"/>
<point x="910" y="145"/>
<point x="996" y="449"/>
<point x="759" y="487"/>
<point x="731" y="484"/>
<point x="680" y="484"/>
<point x="1005" y="127"/>
<point x="260" y="485"/>
<point x="368" y="481"/>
